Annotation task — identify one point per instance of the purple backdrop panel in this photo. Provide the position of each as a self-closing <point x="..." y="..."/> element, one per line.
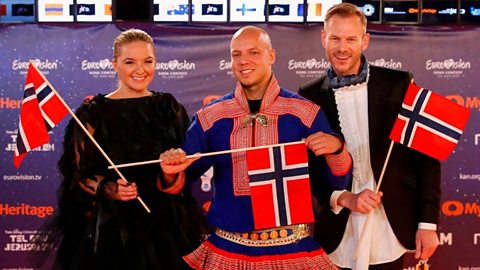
<point x="193" y="62"/>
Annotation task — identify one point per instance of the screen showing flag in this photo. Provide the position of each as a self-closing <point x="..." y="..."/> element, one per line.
<point x="17" y="11"/>
<point x="55" y="10"/>
<point x="41" y="111"/>
<point x="316" y="9"/>
<point x="209" y="10"/>
<point x="286" y="11"/>
<point x="429" y="123"/>
<point x="171" y="11"/>
<point x="94" y="10"/>
<point x="279" y="186"/>
<point x="247" y="11"/>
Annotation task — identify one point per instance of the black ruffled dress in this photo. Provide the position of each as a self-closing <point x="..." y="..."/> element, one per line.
<point x="98" y="233"/>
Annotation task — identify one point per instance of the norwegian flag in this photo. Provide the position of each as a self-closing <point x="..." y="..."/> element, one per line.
<point x="279" y="186"/>
<point x="41" y="110"/>
<point x="429" y="123"/>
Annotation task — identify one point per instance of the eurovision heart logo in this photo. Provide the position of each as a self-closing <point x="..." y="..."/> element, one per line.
<point x="311" y="63"/>
<point x="448" y="63"/>
<point x="173" y="64"/>
<point x="104" y="63"/>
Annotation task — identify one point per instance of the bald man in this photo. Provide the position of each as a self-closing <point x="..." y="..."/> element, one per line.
<point x="257" y="112"/>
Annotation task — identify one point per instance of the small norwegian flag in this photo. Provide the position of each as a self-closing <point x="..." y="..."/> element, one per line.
<point x="429" y="123"/>
<point x="41" y="110"/>
<point x="280" y="186"/>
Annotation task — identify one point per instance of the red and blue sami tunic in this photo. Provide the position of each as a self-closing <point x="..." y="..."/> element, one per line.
<point x="227" y="124"/>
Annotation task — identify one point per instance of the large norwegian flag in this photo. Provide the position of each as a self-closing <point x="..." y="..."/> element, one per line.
<point x="429" y="123"/>
<point x="280" y="186"/>
<point x="41" y="110"/>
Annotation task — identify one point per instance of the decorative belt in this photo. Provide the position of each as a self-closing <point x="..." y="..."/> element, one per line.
<point x="271" y="237"/>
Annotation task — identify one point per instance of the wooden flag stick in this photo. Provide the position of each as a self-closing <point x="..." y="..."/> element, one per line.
<point x="367" y="221"/>
<point x="112" y="165"/>
<point x="208" y="154"/>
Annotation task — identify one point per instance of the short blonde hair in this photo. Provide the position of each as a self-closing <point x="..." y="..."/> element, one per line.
<point x="346" y="10"/>
<point x="129" y="36"/>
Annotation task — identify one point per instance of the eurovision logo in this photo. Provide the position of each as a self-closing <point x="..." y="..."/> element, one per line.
<point x="174" y="69"/>
<point x="44" y="65"/>
<point x="309" y="68"/>
<point x="448" y="68"/>
<point x="99" y="69"/>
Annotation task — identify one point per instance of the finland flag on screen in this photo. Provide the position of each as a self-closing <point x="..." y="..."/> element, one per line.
<point x="247" y="11"/>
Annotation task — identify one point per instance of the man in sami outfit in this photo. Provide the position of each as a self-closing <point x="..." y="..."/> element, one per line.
<point x="258" y="112"/>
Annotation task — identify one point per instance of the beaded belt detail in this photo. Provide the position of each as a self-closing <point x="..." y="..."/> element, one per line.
<point x="271" y="237"/>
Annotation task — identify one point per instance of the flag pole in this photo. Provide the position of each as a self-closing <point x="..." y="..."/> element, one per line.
<point x="112" y="165"/>
<point x="367" y="221"/>
<point x="208" y="154"/>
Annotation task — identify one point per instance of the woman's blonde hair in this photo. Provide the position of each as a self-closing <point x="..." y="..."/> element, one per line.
<point x="128" y="36"/>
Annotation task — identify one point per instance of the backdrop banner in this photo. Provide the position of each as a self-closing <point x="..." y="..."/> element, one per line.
<point x="193" y="62"/>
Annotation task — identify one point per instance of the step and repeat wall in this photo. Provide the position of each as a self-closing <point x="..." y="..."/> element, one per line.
<point x="193" y="62"/>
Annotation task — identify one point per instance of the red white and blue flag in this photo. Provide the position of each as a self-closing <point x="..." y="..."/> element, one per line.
<point x="429" y="123"/>
<point x="41" y="110"/>
<point x="280" y="186"/>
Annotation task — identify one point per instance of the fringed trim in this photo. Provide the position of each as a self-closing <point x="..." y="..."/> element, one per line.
<point x="176" y="187"/>
<point x="340" y="164"/>
<point x="207" y="256"/>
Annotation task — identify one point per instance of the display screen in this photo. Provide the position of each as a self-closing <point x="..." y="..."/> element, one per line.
<point x="247" y="11"/>
<point x="17" y="11"/>
<point x="170" y="10"/>
<point x="94" y="10"/>
<point x="209" y="10"/>
<point x="286" y="11"/>
<point x="400" y="12"/>
<point x="439" y="12"/>
<point x="55" y="10"/>
<point x="316" y="9"/>
<point x="470" y="11"/>
<point x="371" y="9"/>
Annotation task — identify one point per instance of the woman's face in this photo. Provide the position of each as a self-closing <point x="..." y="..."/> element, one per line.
<point x="135" y="66"/>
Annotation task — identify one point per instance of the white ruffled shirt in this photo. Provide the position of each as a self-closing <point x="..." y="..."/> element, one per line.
<point x="381" y="246"/>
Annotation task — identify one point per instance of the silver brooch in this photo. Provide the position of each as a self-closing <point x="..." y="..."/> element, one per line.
<point x="260" y="118"/>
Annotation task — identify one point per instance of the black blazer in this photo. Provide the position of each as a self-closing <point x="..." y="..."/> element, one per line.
<point x="411" y="183"/>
